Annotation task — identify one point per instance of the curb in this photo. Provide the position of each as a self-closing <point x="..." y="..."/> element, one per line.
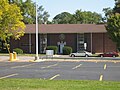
<point x="40" y="60"/>
<point x="70" y="60"/>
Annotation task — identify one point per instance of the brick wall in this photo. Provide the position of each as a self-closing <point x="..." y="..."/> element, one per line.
<point x="23" y="43"/>
<point x="109" y="44"/>
<point x="101" y="42"/>
<point x="70" y="40"/>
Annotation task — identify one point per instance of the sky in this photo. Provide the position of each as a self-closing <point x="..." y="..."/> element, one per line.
<point x="55" y="7"/>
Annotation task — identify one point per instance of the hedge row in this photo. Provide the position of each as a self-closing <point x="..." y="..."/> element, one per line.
<point x="18" y="50"/>
<point x="66" y="49"/>
<point x="54" y="48"/>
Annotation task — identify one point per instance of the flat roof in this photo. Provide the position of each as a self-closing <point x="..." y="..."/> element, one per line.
<point x="66" y="28"/>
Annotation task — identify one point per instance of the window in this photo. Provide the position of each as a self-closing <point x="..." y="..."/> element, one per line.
<point x="43" y="42"/>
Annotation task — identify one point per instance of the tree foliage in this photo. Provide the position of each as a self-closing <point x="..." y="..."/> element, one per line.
<point x="113" y="24"/>
<point x="107" y="11"/>
<point x="11" y="24"/>
<point x="116" y="9"/>
<point x="42" y="15"/>
<point x="87" y="17"/>
<point x="113" y="28"/>
<point x="28" y="9"/>
<point x="80" y="17"/>
<point x="62" y="18"/>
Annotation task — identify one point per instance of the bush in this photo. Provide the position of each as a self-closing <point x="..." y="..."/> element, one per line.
<point x="118" y="49"/>
<point x="18" y="50"/>
<point x="54" y="48"/>
<point x="67" y="50"/>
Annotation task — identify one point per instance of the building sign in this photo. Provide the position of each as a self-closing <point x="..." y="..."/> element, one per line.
<point x="49" y="52"/>
<point x="62" y="36"/>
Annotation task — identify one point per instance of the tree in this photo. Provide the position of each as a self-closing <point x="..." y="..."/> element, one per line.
<point x="11" y="25"/>
<point x="87" y="17"/>
<point x="113" y="28"/>
<point x="10" y="1"/>
<point x="42" y="15"/>
<point x="80" y="17"/>
<point x="62" y="18"/>
<point x="108" y="11"/>
<point x="28" y="9"/>
<point x="116" y="9"/>
<point x="113" y="23"/>
<point x="73" y="20"/>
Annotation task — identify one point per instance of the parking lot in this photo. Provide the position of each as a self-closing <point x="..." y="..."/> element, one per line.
<point x="61" y="70"/>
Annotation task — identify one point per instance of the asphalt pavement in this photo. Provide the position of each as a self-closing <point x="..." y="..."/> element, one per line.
<point x="61" y="70"/>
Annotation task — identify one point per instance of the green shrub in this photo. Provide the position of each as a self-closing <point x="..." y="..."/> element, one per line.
<point x="118" y="49"/>
<point x="67" y="50"/>
<point x="54" y="48"/>
<point x="18" y="50"/>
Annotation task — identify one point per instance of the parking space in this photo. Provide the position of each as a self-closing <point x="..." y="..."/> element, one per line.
<point x="55" y="70"/>
<point x="112" y="72"/>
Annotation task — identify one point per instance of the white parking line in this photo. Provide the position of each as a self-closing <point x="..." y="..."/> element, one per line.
<point x="76" y="66"/>
<point x="8" y="76"/>
<point x="23" y="66"/>
<point x="50" y="66"/>
<point x="54" y="77"/>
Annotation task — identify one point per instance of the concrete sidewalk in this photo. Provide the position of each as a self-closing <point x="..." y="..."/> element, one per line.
<point x="60" y="58"/>
<point x="19" y="58"/>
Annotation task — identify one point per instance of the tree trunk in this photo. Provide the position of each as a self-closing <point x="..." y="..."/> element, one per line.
<point x="7" y="46"/>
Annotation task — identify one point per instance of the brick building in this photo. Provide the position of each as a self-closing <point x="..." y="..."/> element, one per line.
<point x="91" y="37"/>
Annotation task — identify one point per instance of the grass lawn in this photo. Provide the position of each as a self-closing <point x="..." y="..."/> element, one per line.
<point x="37" y="84"/>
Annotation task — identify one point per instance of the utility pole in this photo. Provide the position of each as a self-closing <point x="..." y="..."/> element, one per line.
<point x="36" y="57"/>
